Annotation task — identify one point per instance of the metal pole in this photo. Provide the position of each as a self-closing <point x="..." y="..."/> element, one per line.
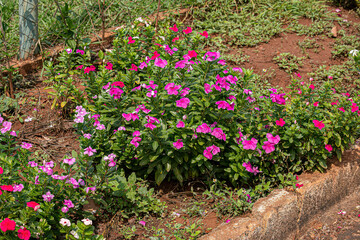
<point x="28" y="28"/>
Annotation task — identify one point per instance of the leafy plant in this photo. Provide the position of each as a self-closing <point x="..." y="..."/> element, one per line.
<point x="289" y="62"/>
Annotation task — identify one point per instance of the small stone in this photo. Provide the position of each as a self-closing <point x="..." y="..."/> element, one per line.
<point x="334" y="31"/>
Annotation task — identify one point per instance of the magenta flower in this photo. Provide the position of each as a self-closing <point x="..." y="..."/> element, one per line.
<point x="328" y="147"/>
<point x="181" y="64"/>
<point x="116" y="92"/>
<point x="318" y="124"/>
<point x="178" y="144"/>
<point x="80" y="51"/>
<point x="187" y="30"/>
<point x="238" y="70"/>
<point x="219" y="134"/>
<point x="160" y="63"/>
<point x="268" y="147"/>
<point x="143" y="222"/>
<point x="250" y="144"/>
<point x="341" y="109"/>
<point x="172" y="89"/>
<point x="180" y="124"/>
<point x="88" y="189"/>
<point x="174" y="28"/>
<point x="136" y="134"/>
<point x="204" y="34"/>
<point x="274" y="140"/>
<point x="211" y="56"/>
<point x="68" y="203"/>
<point x="135" y="141"/>
<point x="354" y="107"/>
<point x="87" y="135"/>
<point x="133" y="67"/>
<point x="250" y="168"/>
<point x="183" y="102"/>
<point x="312" y="87"/>
<point x="64" y="209"/>
<point x="89" y="151"/>
<point x="280" y="122"/>
<point x="150" y="125"/>
<point x="214" y="149"/>
<point x="109" y="66"/>
<point x="316" y="104"/>
<point x="130" y="116"/>
<point x="131" y="40"/>
<point x="278" y="98"/>
<point x="26" y="145"/>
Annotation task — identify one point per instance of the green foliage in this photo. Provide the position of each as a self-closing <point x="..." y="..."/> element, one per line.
<point x="288" y="62"/>
<point x="344" y="45"/>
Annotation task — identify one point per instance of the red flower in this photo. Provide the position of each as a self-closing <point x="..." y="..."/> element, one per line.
<point x="109" y="66"/>
<point x="7" y="224"/>
<point x="174" y="28"/>
<point x="204" y="34"/>
<point x="1" y="170"/>
<point x="155" y="56"/>
<point x="7" y="188"/>
<point x="131" y="40"/>
<point x="24" y="234"/>
<point x="299" y="185"/>
<point x="318" y="124"/>
<point x="175" y="39"/>
<point x="312" y="87"/>
<point x="187" y="30"/>
<point x="192" y="54"/>
<point x="133" y="67"/>
<point x="341" y="109"/>
<point x="119" y="84"/>
<point x="316" y="104"/>
<point x="280" y="122"/>
<point x="33" y="205"/>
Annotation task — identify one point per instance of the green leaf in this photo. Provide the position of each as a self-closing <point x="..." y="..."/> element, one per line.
<point x="101" y="54"/>
<point x="177" y="174"/>
<point x="155" y="145"/>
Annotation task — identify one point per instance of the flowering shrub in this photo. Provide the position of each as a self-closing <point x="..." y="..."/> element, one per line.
<point x="36" y="195"/>
<point x="166" y="108"/>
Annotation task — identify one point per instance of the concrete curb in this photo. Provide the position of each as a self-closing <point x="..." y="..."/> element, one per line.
<point x="282" y="214"/>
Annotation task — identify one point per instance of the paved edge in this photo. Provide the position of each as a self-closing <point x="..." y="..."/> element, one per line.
<point x="282" y="214"/>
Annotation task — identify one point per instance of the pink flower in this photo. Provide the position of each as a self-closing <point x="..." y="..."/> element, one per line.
<point x="312" y="87"/>
<point x="175" y="39"/>
<point x="171" y="88"/>
<point x="26" y="145"/>
<point x="150" y="125"/>
<point x="328" y="147"/>
<point x="207" y="153"/>
<point x="143" y="222"/>
<point x="341" y="109"/>
<point x="80" y="51"/>
<point x="183" y="102"/>
<point x="187" y="30"/>
<point x="178" y="144"/>
<point x="268" y="147"/>
<point x="18" y="187"/>
<point x="184" y="92"/>
<point x="130" y="116"/>
<point x="155" y="55"/>
<point x="131" y="40"/>
<point x="219" y="134"/>
<point x="222" y="62"/>
<point x="180" y="124"/>
<point x="203" y="128"/>
<point x="250" y="168"/>
<point x="6" y="127"/>
<point x="13" y="133"/>
<point x="89" y="151"/>
<point x="318" y="124"/>
<point x="116" y="92"/>
<point x="143" y="65"/>
<point x="214" y="149"/>
<point x="280" y="122"/>
<point x="207" y="88"/>
<point x="274" y="140"/>
<point x="136" y="134"/>
<point x="48" y="197"/>
<point x="192" y="54"/>
<point x="354" y="107"/>
<point x="33" y="205"/>
<point x="160" y="63"/>
<point x="174" y="28"/>
<point x="64" y="209"/>
<point x="250" y="144"/>
<point x="316" y="104"/>
<point x="204" y="34"/>
<point x="1" y="170"/>
<point x="222" y="104"/>
<point x="335" y="103"/>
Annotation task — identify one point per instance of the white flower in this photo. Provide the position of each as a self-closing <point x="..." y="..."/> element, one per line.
<point x="65" y="221"/>
<point x="87" y="221"/>
<point x="162" y="38"/>
<point x="139" y="19"/>
<point x="354" y="52"/>
<point x="74" y="234"/>
<point x="28" y="119"/>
